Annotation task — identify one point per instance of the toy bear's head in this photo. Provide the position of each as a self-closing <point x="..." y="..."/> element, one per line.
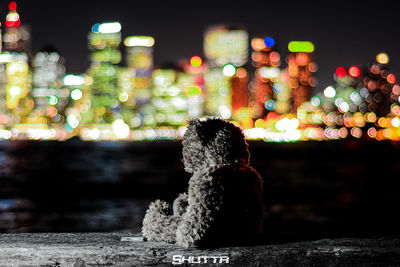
<point x="213" y="142"/>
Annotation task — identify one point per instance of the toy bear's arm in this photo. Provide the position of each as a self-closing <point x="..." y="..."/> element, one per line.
<point x="204" y="204"/>
<point x="180" y="204"/>
<point x="159" y="224"/>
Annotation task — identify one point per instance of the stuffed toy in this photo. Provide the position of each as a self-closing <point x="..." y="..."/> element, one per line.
<point x="223" y="205"/>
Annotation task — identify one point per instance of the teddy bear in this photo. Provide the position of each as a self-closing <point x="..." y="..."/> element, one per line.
<point x="223" y="204"/>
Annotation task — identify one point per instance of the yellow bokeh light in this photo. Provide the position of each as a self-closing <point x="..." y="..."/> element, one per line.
<point x="382" y="58"/>
<point x="260" y="123"/>
<point x="196" y="61"/>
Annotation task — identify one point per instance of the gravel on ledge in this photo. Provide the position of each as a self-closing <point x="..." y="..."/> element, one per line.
<point x="125" y="249"/>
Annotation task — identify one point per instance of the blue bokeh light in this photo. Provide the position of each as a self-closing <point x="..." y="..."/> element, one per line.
<point x="270" y="104"/>
<point x="269" y="41"/>
<point x="95" y="28"/>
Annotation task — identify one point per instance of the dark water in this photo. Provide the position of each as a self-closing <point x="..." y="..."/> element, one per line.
<point x="336" y="188"/>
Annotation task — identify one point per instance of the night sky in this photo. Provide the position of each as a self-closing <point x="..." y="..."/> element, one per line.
<point x="344" y="32"/>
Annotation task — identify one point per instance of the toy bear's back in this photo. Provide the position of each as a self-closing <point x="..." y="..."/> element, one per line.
<point x="223" y="205"/>
<point x="240" y="215"/>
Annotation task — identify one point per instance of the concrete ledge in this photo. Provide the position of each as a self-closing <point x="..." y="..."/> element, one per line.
<point x="122" y="249"/>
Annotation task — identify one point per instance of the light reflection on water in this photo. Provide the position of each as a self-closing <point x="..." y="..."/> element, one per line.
<point x="22" y="215"/>
<point x="80" y="186"/>
<point x="77" y="186"/>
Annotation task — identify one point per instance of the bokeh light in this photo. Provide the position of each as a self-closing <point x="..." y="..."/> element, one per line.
<point x="12" y="5"/>
<point x="301" y="46"/>
<point x="340" y="72"/>
<point x="391" y="78"/>
<point x="241" y="73"/>
<point x="371" y="132"/>
<point x="395" y="122"/>
<point x="270" y="104"/>
<point x="109" y="27"/>
<point x="354" y="71"/>
<point x="382" y="58"/>
<point x="229" y="70"/>
<point x="315" y="101"/>
<point x="330" y="92"/>
<point x="257" y="44"/>
<point x="356" y="132"/>
<point x="269" y="41"/>
<point x="196" y="61"/>
<point x="144" y="41"/>
<point x="76" y="94"/>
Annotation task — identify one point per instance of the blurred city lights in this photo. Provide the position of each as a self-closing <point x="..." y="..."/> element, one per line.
<point x="241" y="72"/>
<point x="301" y="46"/>
<point x="286" y="124"/>
<point x="354" y="71"/>
<point x="120" y="128"/>
<point x="395" y="122"/>
<point x="258" y="44"/>
<point x="382" y="58"/>
<point x="12" y="5"/>
<point x="344" y="107"/>
<point x="71" y="80"/>
<point x="391" y="78"/>
<point x="229" y="70"/>
<point x="316" y="101"/>
<point x="371" y="132"/>
<point x="109" y="27"/>
<point x="53" y="100"/>
<point x="95" y="28"/>
<point x="76" y="94"/>
<point x="270" y="104"/>
<point x="225" y="112"/>
<point x="123" y="97"/>
<point x="193" y="90"/>
<point x="72" y="121"/>
<point x="146" y="41"/>
<point x="340" y="72"/>
<point x="196" y="61"/>
<point x="137" y="101"/>
<point x="12" y="18"/>
<point x="330" y="92"/>
<point x="356" y="132"/>
<point x="223" y="45"/>
<point x="269" y="72"/>
<point x="269" y="41"/>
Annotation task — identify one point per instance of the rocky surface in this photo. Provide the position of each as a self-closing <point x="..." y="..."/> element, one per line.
<point x="124" y="249"/>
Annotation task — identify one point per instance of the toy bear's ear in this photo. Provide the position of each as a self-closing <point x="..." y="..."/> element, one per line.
<point x="193" y="127"/>
<point x="193" y="122"/>
<point x="203" y="129"/>
<point x="207" y="130"/>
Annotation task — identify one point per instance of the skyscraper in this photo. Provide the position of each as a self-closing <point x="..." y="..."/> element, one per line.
<point x="48" y="93"/>
<point x="267" y="92"/>
<point x="169" y="105"/>
<point x="226" y="49"/>
<point x="18" y="85"/>
<point x="17" y="36"/>
<point x="137" y="93"/>
<point x="380" y="83"/>
<point x="104" y="41"/>
<point x="300" y="69"/>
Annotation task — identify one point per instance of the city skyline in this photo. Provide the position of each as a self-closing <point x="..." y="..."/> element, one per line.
<point x="344" y="33"/>
<point x="244" y="78"/>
